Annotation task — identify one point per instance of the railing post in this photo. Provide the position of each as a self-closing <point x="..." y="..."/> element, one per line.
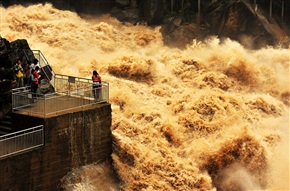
<point x="42" y="134"/>
<point x="44" y="109"/>
<point x="108" y="93"/>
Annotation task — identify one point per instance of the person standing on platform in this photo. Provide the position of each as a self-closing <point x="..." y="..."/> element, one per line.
<point x="97" y="84"/>
<point x="35" y="81"/>
<point x="19" y="73"/>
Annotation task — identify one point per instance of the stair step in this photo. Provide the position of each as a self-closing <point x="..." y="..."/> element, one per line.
<point x="7" y="117"/>
<point x="5" y="123"/>
<point x="5" y="128"/>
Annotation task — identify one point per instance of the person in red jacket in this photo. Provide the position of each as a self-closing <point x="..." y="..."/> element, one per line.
<point x="97" y="84"/>
<point x="35" y="81"/>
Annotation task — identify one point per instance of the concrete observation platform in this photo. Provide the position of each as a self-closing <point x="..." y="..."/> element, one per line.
<point x="69" y="138"/>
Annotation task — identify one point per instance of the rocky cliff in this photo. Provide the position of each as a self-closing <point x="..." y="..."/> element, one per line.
<point x="10" y="52"/>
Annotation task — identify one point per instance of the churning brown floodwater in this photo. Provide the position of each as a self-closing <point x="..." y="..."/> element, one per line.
<point x="212" y="116"/>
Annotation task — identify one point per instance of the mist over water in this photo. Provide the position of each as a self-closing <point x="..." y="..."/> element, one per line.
<point x="214" y="116"/>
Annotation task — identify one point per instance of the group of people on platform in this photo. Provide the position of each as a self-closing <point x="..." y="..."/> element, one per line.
<point x="28" y="75"/>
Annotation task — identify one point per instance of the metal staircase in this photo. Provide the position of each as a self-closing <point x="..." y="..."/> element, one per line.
<point x="5" y="125"/>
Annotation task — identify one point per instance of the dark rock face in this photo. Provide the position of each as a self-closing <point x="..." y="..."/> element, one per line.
<point x="150" y="11"/>
<point x="180" y="36"/>
<point x="10" y="52"/>
<point x="154" y="11"/>
<point x="237" y="20"/>
<point x="126" y="13"/>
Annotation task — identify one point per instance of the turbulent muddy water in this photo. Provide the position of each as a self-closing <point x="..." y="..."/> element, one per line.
<point x="214" y="116"/>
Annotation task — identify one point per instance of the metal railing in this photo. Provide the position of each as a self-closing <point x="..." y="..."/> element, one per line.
<point x="43" y="63"/>
<point x="65" y="92"/>
<point x="63" y="82"/>
<point x="21" y="141"/>
<point x="69" y="95"/>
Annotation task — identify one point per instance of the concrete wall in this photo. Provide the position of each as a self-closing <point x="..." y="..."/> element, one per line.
<point x="72" y="140"/>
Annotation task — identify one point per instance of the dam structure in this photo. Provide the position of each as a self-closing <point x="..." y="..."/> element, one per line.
<point x="63" y="128"/>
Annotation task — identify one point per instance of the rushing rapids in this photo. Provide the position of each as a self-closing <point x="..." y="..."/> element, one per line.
<point x="213" y="116"/>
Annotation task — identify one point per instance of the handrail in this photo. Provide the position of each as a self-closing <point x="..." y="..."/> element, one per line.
<point x="59" y="93"/>
<point x="21" y="141"/>
<point x="43" y="63"/>
<point x="67" y="96"/>
<point x="10" y="135"/>
<point x="65" y="82"/>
